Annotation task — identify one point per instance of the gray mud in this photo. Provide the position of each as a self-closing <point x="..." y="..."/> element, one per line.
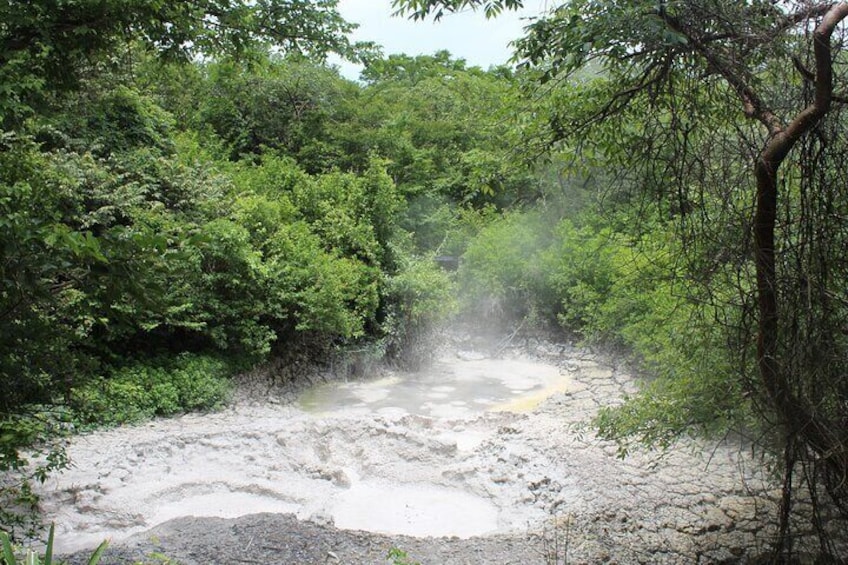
<point x="500" y="474"/>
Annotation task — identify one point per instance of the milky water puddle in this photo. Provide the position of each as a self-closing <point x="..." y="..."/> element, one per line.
<point x="455" y="388"/>
<point x="414" y="510"/>
<point x="406" y="454"/>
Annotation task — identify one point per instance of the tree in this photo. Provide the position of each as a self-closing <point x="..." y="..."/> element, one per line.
<point x="47" y="45"/>
<point x="285" y="105"/>
<point x="447" y="131"/>
<point x="774" y="65"/>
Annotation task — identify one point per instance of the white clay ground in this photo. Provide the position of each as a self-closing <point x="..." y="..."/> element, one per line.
<point x="473" y="446"/>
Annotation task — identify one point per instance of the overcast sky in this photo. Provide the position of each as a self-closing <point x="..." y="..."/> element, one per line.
<point x="468" y="35"/>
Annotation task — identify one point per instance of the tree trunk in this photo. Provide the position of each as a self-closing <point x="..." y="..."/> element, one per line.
<point x="795" y="415"/>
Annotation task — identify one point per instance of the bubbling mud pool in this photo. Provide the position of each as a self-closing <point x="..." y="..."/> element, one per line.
<point x="395" y="455"/>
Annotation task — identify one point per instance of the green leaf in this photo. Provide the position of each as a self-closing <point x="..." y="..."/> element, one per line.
<point x="31" y="558"/>
<point x="8" y="553"/>
<point x="48" y="555"/>
<point x="98" y="553"/>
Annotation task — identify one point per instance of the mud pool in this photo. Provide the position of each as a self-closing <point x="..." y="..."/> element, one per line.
<point x="450" y="389"/>
<point x="474" y="446"/>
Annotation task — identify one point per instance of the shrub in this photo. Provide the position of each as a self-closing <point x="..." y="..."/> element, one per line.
<point x="41" y="430"/>
<point x="631" y="291"/>
<point x="150" y="388"/>
<point x="500" y="273"/>
<point x="400" y="557"/>
<point x="418" y="297"/>
<point x="315" y="289"/>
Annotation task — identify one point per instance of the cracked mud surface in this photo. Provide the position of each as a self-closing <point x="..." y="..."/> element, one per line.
<point x="485" y="465"/>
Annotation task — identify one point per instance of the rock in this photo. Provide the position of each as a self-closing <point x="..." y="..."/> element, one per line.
<point x="711" y="520"/>
<point x="442" y="446"/>
<point x="322" y="518"/>
<point x="340" y="478"/>
<point x="679" y="543"/>
<point x="470" y="355"/>
<point x="715" y="520"/>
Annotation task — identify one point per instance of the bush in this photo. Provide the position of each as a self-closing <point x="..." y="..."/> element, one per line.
<point x="150" y="388"/>
<point x="631" y="291"/>
<point x="41" y="430"/>
<point x="500" y="273"/>
<point x="418" y="297"/>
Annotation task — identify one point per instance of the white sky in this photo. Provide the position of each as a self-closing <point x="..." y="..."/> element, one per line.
<point x="467" y="35"/>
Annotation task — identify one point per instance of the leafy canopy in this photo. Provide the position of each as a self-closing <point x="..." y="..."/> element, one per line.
<point x="420" y="9"/>
<point x="49" y="45"/>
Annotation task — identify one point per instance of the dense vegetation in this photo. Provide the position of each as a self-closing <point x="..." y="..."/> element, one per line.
<point x="167" y="221"/>
<point x="728" y="117"/>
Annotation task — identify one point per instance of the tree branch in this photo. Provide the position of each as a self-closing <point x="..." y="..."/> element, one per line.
<point x="778" y="148"/>
<point x="653" y="74"/>
<point x="753" y="106"/>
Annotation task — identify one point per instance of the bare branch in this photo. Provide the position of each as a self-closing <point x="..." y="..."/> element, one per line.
<point x="752" y="104"/>
<point x="806" y="73"/>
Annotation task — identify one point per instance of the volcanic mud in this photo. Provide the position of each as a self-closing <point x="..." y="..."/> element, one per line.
<point x="480" y="458"/>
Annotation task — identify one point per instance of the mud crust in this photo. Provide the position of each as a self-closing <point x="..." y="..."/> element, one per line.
<point x="703" y="502"/>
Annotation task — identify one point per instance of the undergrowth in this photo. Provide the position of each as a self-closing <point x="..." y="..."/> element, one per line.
<point x="161" y="387"/>
<point x="12" y="555"/>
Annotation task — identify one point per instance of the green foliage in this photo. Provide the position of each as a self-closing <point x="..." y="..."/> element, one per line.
<point x="153" y="387"/>
<point x="41" y="429"/>
<point x="288" y="106"/>
<point x="150" y="253"/>
<point x="156" y="219"/>
<point x="354" y="215"/>
<point x="30" y="557"/>
<point x="420" y="9"/>
<point x="318" y="245"/>
<point x="411" y="70"/>
<point x="500" y="273"/>
<point x="400" y="557"/>
<point x="445" y="130"/>
<point x="422" y="292"/>
<point x="694" y="390"/>
<point x="419" y="297"/>
<point x="48" y="46"/>
<point x="621" y="284"/>
<point x="111" y="121"/>
<point x="230" y="279"/>
<point x="632" y="290"/>
<point x="608" y="281"/>
<point x="580" y="271"/>
<point x="319" y="289"/>
<point x="449" y="134"/>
